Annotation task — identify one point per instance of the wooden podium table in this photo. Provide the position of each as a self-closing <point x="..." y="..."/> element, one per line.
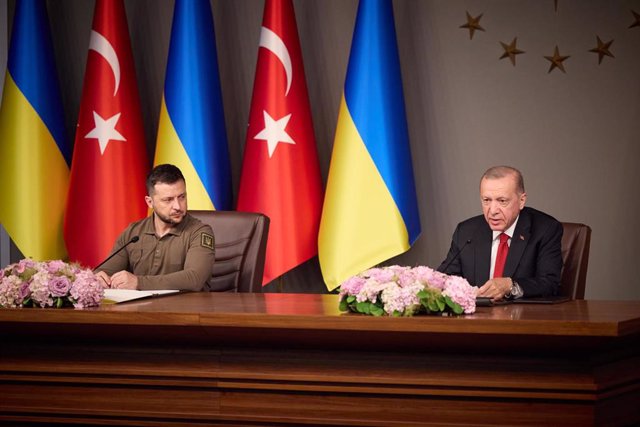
<point x="292" y="359"/>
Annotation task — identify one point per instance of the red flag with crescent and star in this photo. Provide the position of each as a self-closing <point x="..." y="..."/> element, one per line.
<point x="109" y="166"/>
<point x="280" y="172"/>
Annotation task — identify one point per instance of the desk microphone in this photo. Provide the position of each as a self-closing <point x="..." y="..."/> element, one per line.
<point x="456" y="256"/>
<point x="133" y="240"/>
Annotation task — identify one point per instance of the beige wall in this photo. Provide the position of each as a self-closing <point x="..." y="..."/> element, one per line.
<point x="573" y="135"/>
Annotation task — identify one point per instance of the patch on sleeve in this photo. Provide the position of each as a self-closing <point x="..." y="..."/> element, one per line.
<point x="206" y="240"/>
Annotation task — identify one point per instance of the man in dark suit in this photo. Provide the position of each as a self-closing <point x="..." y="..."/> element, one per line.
<point x="529" y="261"/>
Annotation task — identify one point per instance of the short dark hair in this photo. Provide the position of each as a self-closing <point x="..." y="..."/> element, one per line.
<point x="497" y="172"/>
<point x="165" y="174"/>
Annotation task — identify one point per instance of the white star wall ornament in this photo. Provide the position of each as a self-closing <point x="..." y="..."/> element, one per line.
<point x="274" y="132"/>
<point x="105" y="131"/>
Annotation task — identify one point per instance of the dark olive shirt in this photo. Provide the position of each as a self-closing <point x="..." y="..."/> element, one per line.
<point x="181" y="259"/>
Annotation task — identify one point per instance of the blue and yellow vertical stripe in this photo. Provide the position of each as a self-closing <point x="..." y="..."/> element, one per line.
<point x="370" y="212"/>
<point x="191" y="133"/>
<point x="34" y="152"/>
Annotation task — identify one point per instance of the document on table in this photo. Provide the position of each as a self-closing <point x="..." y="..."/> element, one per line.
<point x="116" y="296"/>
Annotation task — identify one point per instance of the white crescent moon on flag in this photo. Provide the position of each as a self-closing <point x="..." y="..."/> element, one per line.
<point x="102" y="46"/>
<point x="271" y="41"/>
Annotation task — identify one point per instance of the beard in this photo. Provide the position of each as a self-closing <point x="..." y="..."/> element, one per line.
<point x="169" y="220"/>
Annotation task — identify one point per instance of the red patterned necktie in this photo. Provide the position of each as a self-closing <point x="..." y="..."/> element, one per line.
<point x="501" y="257"/>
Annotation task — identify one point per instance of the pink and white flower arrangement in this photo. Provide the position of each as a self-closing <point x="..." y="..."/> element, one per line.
<point x="57" y="284"/>
<point x="405" y="291"/>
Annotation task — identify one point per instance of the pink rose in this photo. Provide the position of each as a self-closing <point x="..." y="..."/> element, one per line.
<point x="59" y="286"/>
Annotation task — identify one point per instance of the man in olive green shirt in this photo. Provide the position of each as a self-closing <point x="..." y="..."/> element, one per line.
<point x="174" y="249"/>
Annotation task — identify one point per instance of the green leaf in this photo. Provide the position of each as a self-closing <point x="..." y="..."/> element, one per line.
<point x="59" y="302"/>
<point x="351" y="298"/>
<point x="377" y="311"/>
<point x="28" y="274"/>
<point x="344" y="306"/>
<point x="455" y="307"/>
<point x="363" y="307"/>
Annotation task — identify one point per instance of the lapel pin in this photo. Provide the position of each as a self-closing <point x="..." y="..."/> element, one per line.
<point x="521" y="237"/>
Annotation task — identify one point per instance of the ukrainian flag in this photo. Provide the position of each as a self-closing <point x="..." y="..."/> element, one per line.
<point x="191" y="133"/>
<point x="34" y="155"/>
<point x="370" y="212"/>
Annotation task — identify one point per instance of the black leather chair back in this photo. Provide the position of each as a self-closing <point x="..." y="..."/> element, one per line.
<point x="241" y="244"/>
<point x="576" y="239"/>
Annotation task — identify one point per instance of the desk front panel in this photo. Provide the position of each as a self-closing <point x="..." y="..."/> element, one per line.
<point x="252" y="359"/>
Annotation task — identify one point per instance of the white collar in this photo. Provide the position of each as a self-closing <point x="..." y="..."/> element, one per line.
<point x="509" y="231"/>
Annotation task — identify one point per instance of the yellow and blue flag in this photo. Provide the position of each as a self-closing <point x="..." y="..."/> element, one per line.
<point x="370" y="211"/>
<point x="191" y="133"/>
<point x="34" y="152"/>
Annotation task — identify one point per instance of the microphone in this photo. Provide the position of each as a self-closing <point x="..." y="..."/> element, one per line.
<point x="456" y="256"/>
<point x="133" y="240"/>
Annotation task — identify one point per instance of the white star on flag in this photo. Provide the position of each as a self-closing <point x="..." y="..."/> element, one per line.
<point x="105" y="131"/>
<point x="274" y="132"/>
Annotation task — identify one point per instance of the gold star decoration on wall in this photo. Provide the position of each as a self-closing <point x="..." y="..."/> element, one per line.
<point x="636" y="17"/>
<point x="510" y="51"/>
<point x="602" y="49"/>
<point x="557" y="60"/>
<point x="472" y="25"/>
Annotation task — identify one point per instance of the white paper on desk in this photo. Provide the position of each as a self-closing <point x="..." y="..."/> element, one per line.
<point x="115" y="296"/>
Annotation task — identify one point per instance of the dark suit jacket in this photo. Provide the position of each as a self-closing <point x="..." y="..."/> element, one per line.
<point x="534" y="259"/>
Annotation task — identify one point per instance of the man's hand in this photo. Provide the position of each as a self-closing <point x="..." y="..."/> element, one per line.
<point x="495" y="288"/>
<point x="104" y="279"/>
<point x="124" y="280"/>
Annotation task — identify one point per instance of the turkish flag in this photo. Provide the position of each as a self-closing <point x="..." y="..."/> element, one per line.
<point x="109" y="166"/>
<point x="280" y="173"/>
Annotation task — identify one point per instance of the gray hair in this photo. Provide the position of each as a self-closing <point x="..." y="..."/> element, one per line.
<point x="496" y="172"/>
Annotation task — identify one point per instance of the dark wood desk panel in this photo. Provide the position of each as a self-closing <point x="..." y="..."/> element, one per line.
<point x="278" y="359"/>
